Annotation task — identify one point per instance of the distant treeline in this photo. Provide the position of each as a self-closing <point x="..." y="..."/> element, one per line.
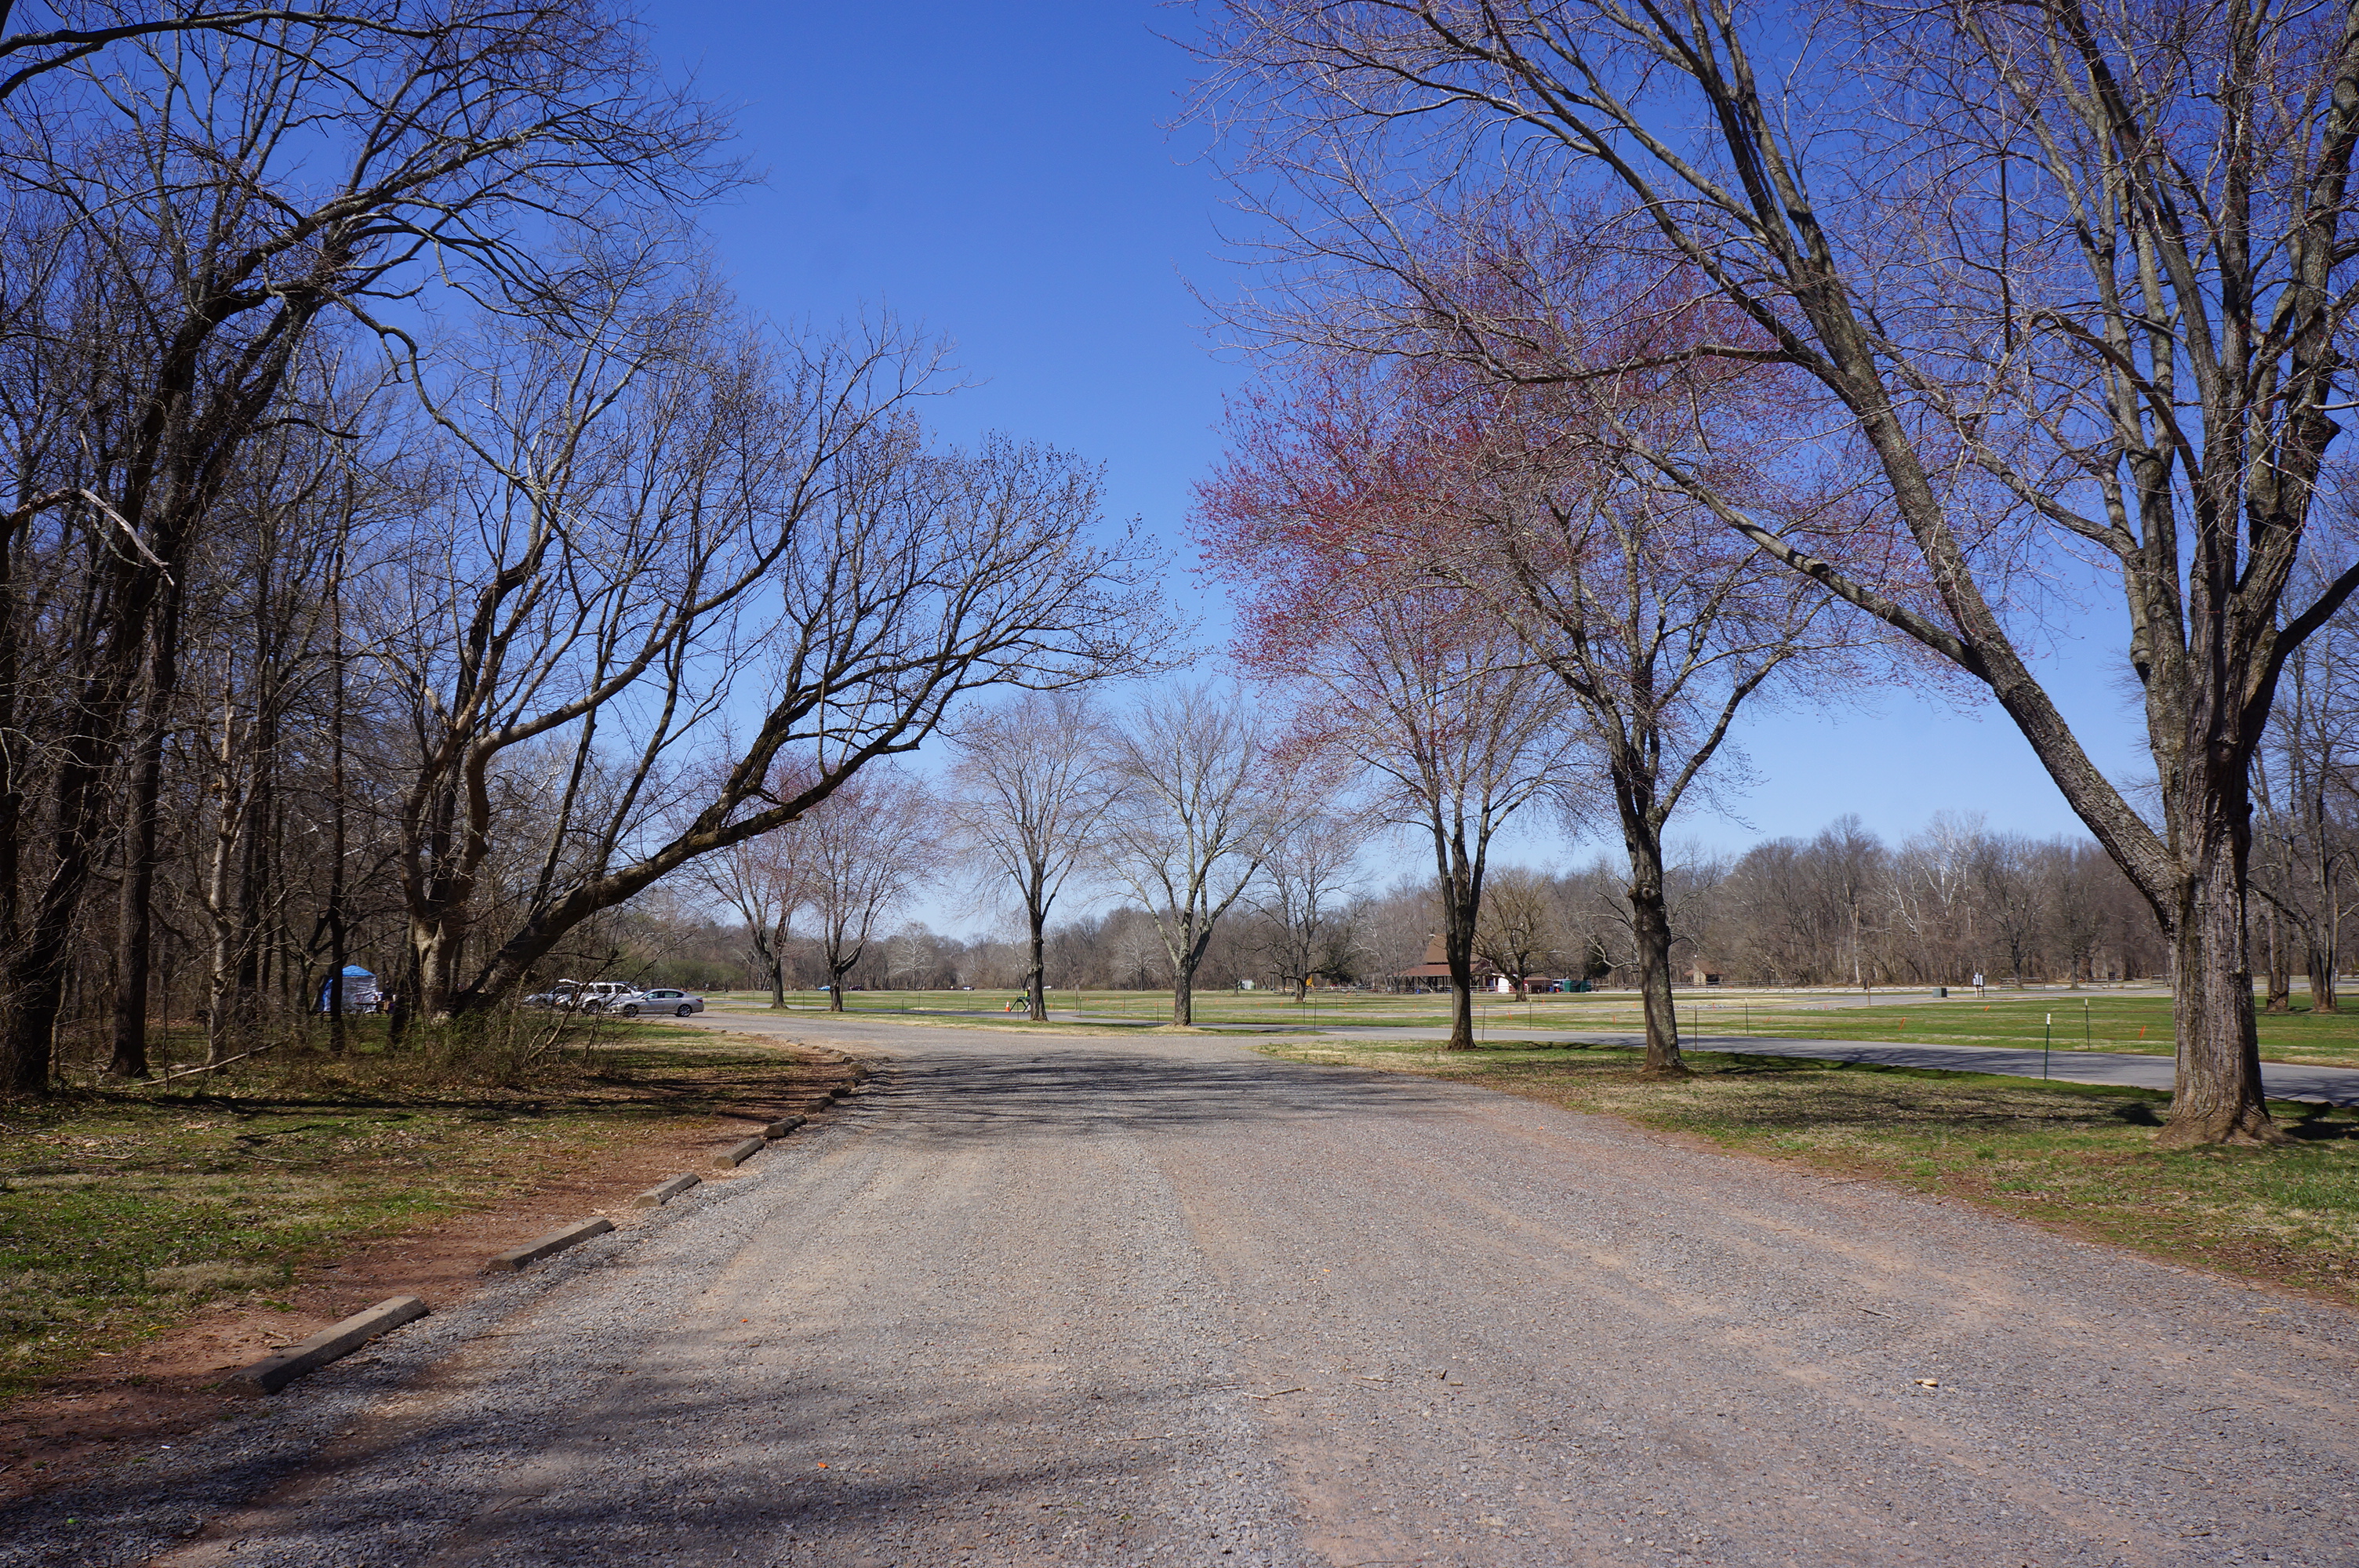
<point x="1844" y="907"/>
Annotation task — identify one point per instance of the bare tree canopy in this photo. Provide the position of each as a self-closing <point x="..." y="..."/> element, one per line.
<point x="2304" y="792"/>
<point x="189" y="208"/>
<point x="1202" y="802"/>
<point x="1306" y="896"/>
<point x="60" y="35"/>
<point x="660" y="520"/>
<point x="865" y="848"/>
<point x="2071" y="286"/>
<point x="1030" y="791"/>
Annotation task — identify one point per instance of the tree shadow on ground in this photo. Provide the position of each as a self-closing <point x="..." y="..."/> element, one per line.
<point x="1075" y="1094"/>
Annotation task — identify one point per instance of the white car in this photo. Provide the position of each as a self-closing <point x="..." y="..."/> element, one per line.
<point x="587" y="996"/>
<point x="662" y="999"/>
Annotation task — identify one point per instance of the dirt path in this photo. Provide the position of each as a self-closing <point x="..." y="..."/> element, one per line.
<point x="1049" y="1299"/>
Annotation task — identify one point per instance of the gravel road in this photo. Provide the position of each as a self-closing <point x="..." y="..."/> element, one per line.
<point x="1041" y="1298"/>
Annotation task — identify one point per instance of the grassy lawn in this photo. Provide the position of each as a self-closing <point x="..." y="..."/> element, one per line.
<point x="122" y="1210"/>
<point x="2075" y="1157"/>
<point x="2102" y="1020"/>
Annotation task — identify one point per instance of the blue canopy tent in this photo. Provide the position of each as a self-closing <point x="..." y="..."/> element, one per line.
<point x="360" y="990"/>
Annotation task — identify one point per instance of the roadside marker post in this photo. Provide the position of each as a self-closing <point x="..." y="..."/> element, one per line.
<point x="2046" y="1042"/>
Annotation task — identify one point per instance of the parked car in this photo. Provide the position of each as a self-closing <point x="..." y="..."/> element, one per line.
<point x="558" y="995"/>
<point x="589" y="996"/>
<point x="661" y="999"/>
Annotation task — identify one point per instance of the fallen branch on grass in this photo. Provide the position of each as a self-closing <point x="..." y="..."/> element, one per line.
<point x="207" y="1067"/>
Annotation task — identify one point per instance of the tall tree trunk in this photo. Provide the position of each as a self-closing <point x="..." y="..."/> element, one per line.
<point x="36" y="987"/>
<point x="2329" y="927"/>
<point x="1035" y="996"/>
<point x="1183" y="996"/>
<point x="436" y="942"/>
<point x="2277" y="949"/>
<point x="138" y="910"/>
<point x="252" y="970"/>
<point x="777" y="957"/>
<point x="1635" y="789"/>
<point x="404" y="1008"/>
<point x="1458" y="953"/>
<point x="12" y="762"/>
<point x="2322" y="977"/>
<point x="339" y="952"/>
<point x="1650" y="929"/>
<point x="2326" y="916"/>
<point x="2218" y="1095"/>
<point x="232" y="823"/>
<point x="1461" y="883"/>
<point x="136" y="939"/>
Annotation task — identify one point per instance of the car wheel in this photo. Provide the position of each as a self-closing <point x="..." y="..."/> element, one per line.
<point x="685" y="1010"/>
<point x="631" y="1011"/>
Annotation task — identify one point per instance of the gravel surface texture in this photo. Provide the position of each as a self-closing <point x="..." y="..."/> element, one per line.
<point x="1035" y="1299"/>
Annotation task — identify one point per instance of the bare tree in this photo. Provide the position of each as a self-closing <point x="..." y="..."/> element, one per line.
<point x="1308" y="881"/>
<point x="2302" y="794"/>
<point x="2074" y="876"/>
<point x="764" y="880"/>
<point x="1518" y="931"/>
<point x="1200" y="802"/>
<point x="655" y="524"/>
<point x="1661" y="628"/>
<point x="1330" y="516"/>
<point x="1931" y="896"/>
<point x="1658" y="624"/>
<point x="865" y="846"/>
<point x="1030" y="789"/>
<point x="2010" y="893"/>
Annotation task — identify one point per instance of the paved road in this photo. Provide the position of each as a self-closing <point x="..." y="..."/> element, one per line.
<point x="2283" y="1080"/>
<point x="1159" y="1301"/>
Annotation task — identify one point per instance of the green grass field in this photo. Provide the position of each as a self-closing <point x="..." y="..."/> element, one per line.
<point x="2102" y="1020"/>
<point x="2098" y="1021"/>
<point x="2075" y="1157"/>
<point x="124" y="1210"/>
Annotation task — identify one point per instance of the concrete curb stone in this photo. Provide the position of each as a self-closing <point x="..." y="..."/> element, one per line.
<point x="273" y="1373"/>
<point x="730" y="1159"/>
<point x="664" y="1191"/>
<point x="532" y="1251"/>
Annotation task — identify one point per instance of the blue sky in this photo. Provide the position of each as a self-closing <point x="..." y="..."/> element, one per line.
<point x="1002" y="174"/>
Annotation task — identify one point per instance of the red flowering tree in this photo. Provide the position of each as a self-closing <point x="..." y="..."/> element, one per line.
<point x="1318" y="519"/>
<point x="1479" y="585"/>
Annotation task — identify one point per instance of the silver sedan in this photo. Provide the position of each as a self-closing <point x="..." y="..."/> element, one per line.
<point x="661" y="999"/>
